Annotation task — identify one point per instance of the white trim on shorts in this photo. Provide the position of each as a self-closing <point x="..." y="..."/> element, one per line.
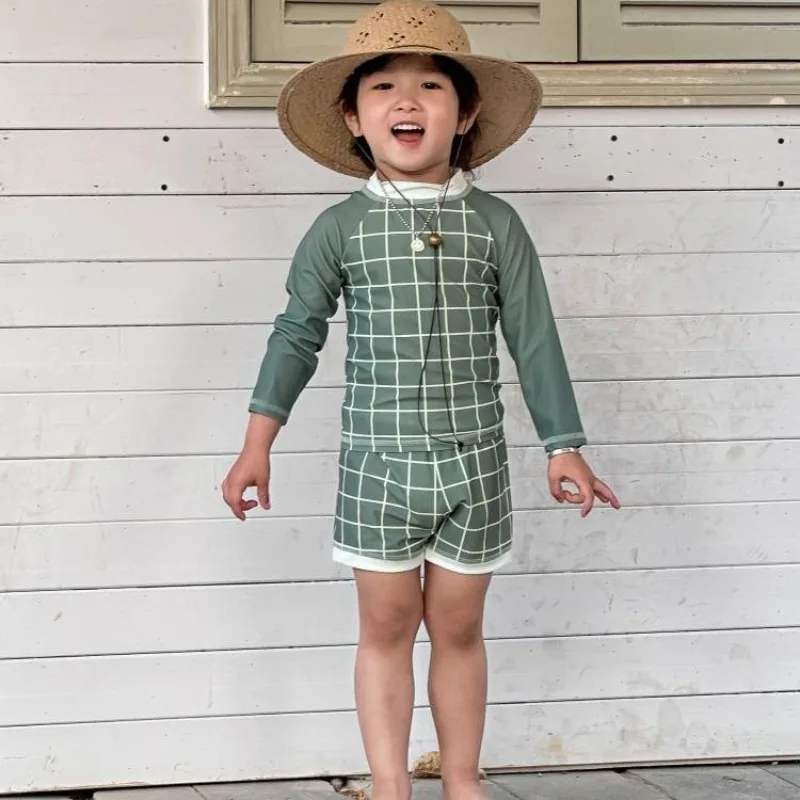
<point x="358" y="561"/>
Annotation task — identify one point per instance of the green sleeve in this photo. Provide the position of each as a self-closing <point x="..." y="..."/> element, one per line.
<point x="526" y="319"/>
<point x="314" y="285"/>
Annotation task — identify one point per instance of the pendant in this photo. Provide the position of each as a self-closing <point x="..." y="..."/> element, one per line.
<point x="417" y="245"/>
<point x="435" y="240"/>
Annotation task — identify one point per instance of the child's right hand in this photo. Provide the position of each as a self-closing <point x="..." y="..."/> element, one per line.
<point x="250" y="469"/>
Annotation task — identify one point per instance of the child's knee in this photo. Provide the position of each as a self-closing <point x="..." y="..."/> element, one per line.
<point x="391" y="624"/>
<point x="454" y="630"/>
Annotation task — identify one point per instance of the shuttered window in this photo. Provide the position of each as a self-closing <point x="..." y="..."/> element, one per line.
<point x="587" y="52"/>
<point x="689" y="30"/>
<point x="299" y="31"/>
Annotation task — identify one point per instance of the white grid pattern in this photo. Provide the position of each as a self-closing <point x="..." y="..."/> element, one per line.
<point x="393" y="507"/>
<point x="390" y="300"/>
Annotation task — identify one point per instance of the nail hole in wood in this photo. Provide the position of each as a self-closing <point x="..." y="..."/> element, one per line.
<point x="614" y="138"/>
<point x="781" y="140"/>
<point x="610" y="177"/>
<point x="164" y="187"/>
<point x="781" y="184"/>
<point x="166" y="138"/>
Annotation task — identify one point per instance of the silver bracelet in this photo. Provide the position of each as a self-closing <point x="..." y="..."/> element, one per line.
<point x="560" y="450"/>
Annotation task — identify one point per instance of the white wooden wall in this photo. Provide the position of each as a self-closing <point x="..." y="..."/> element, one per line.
<point x="146" y="637"/>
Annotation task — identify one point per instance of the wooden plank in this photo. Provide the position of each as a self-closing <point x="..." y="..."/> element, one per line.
<point x="187" y="618"/>
<point x="704" y="782"/>
<point x="238" y="292"/>
<point x="598" y="784"/>
<point x="626" y="731"/>
<point x="61" y="96"/>
<point x="279" y="681"/>
<point x="257" y="161"/>
<point x="167" y="488"/>
<point x="647" y="158"/>
<point x="102" y="30"/>
<point x="202" y="161"/>
<point x="278" y="549"/>
<point x="228" y="357"/>
<point x="56" y="425"/>
<point x="113" y="554"/>
<point x="787" y="772"/>
<point x="667" y="116"/>
<point x="270" y="226"/>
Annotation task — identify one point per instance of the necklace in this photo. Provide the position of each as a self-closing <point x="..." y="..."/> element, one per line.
<point x="435" y="238"/>
<point x="417" y="245"/>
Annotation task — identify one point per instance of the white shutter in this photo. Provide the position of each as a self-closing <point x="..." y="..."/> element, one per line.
<point x="300" y="31"/>
<point x="690" y="30"/>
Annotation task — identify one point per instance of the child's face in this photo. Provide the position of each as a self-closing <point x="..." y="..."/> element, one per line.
<point x="409" y="92"/>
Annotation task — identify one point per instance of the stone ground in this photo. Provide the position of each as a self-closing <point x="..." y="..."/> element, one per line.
<point x="740" y="782"/>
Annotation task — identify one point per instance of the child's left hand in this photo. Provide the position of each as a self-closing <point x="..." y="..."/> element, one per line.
<point x="571" y="467"/>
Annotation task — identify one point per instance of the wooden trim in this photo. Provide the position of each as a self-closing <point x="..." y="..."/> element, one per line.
<point x="669" y="84"/>
<point x="229" y="58"/>
<point x="235" y="81"/>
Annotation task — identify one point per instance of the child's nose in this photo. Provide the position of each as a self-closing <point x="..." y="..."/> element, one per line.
<point x="407" y="101"/>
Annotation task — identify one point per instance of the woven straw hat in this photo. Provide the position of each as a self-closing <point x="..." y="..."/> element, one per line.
<point x="309" y="114"/>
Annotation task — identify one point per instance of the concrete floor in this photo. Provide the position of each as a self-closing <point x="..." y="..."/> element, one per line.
<point x="740" y="782"/>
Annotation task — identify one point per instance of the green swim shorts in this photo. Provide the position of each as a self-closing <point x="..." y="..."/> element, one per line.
<point x="396" y="510"/>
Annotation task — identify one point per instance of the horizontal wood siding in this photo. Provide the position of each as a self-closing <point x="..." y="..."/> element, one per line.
<point x="251" y="292"/>
<point x="188" y="487"/>
<point x="169" y="97"/>
<point x="261" y="161"/>
<point x="102" y="31"/>
<point x="237" y="748"/>
<point x="643" y="411"/>
<point x="147" y="637"/>
<point x="307" y="680"/>
<point x="272" y="549"/>
<point x="181" y="619"/>
<point x="219" y="226"/>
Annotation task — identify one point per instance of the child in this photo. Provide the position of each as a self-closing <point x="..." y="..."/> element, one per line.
<point x="427" y="265"/>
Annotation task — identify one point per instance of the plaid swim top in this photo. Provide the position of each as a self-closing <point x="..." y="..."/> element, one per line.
<point x="361" y="249"/>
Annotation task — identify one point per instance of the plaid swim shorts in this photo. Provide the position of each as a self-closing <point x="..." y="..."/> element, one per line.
<point x="449" y="507"/>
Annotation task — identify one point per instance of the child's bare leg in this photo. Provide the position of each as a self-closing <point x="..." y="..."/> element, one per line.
<point x="457" y="680"/>
<point x="390" y="613"/>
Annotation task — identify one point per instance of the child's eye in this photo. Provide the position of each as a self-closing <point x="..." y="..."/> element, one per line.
<point x="431" y="85"/>
<point x="382" y="87"/>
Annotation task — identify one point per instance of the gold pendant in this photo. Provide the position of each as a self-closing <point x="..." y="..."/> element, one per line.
<point x="435" y="240"/>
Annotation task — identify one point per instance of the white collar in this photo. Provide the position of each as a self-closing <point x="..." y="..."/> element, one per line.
<point x="414" y="190"/>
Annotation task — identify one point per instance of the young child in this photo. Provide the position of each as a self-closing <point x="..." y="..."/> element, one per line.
<point x="427" y="265"/>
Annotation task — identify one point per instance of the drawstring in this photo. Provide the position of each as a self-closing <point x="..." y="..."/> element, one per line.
<point x="435" y="317"/>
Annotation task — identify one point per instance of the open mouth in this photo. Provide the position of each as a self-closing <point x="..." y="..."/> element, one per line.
<point x="408" y="132"/>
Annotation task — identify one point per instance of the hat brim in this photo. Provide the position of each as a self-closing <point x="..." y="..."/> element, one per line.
<point x="310" y="116"/>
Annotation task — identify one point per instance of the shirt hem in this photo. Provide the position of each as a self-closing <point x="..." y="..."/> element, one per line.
<point x="402" y="444"/>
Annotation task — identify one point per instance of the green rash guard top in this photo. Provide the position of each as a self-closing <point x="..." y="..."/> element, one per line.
<point x="490" y="271"/>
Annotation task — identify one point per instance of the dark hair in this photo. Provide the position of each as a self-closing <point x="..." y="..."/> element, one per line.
<point x="468" y="100"/>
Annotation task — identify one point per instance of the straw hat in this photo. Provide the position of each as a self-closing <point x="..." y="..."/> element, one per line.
<point x="309" y="114"/>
